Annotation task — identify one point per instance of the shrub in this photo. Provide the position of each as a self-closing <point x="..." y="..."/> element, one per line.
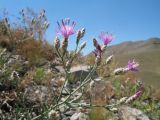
<point x="37" y="76"/>
<point x="36" y="51"/>
<point x="29" y="42"/>
<point x="28" y="39"/>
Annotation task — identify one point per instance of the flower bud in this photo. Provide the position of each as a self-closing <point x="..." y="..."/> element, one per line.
<point x="122" y="100"/>
<point x="33" y="21"/>
<point x="119" y="71"/>
<point x="83" y="31"/>
<point x="6" y="20"/>
<point x="133" y="97"/>
<point x="22" y="12"/>
<point x="78" y="36"/>
<point x="83" y="45"/>
<point x="57" y="43"/>
<point x="94" y="42"/>
<point x="98" y="60"/>
<point x="46" y="24"/>
<point x="64" y="45"/>
<point x="109" y="59"/>
<point x="43" y="13"/>
<point x="68" y="64"/>
<point x="103" y="47"/>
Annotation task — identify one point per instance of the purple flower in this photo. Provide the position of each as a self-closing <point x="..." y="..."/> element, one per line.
<point x="133" y="97"/>
<point x="98" y="51"/>
<point x="137" y="94"/>
<point x="65" y="28"/>
<point x="132" y="65"/>
<point x="106" y="38"/>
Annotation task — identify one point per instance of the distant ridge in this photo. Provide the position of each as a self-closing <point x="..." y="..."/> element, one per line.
<point x="132" y="47"/>
<point x="146" y="52"/>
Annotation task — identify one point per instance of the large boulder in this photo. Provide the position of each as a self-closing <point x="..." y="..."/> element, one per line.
<point x="128" y="113"/>
<point x="80" y="72"/>
<point x="101" y="91"/>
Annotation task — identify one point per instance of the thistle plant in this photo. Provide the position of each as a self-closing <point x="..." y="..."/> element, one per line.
<point x="35" y="25"/>
<point x="65" y="29"/>
<point x="31" y="43"/>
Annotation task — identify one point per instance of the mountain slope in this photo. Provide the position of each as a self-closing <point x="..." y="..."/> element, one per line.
<point x="147" y="53"/>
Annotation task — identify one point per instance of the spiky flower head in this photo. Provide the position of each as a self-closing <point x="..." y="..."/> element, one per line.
<point x="106" y="38"/>
<point x="132" y="65"/>
<point x="65" y="28"/>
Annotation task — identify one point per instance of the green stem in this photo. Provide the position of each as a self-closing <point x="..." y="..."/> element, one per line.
<point x="65" y="101"/>
<point x="91" y="105"/>
<point x="74" y="53"/>
<point x="66" y="71"/>
<point x="86" y="80"/>
<point x="66" y="75"/>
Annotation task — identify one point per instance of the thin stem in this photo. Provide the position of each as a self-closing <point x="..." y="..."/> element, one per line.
<point x="74" y="53"/>
<point x="86" y="80"/>
<point x="91" y="105"/>
<point x="66" y="74"/>
<point x="59" y="55"/>
<point x="81" y="105"/>
<point x="66" y="79"/>
<point x="66" y="71"/>
<point x="83" y="83"/>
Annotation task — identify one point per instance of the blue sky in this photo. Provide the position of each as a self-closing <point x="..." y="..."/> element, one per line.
<point x="126" y="19"/>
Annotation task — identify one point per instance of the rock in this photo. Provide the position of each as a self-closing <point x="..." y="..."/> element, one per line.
<point x="79" y="116"/>
<point x="54" y="115"/>
<point x="65" y="118"/>
<point x="16" y="63"/>
<point x="75" y="116"/>
<point x="79" y="73"/>
<point x="69" y="113"/>
<point x="128" y="113"/>
<point x="40" y="94"/>
<point x="7" y="100"/>
<point x="59" y="69"/>
<point x="41" y="62"/>
<point x="101" y="91"/>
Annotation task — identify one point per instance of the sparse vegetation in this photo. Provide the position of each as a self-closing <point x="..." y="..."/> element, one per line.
<point x="35" y="77"/>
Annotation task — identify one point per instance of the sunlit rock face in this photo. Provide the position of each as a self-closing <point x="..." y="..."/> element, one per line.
<point x="101" y="92"/>
<point x="128" y="113"/>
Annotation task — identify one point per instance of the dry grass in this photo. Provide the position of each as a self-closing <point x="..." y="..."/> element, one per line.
<point x="35" y="51"/>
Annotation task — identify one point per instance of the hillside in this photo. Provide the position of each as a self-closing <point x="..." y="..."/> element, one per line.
<point x="146" y="52"/>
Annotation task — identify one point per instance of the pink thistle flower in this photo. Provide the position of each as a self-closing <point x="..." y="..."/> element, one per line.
<point x="132" y="65"/>
<point x="133" y="97"/>
<point x="65" y="28"/>
<point x="137" y="94"/>
<point x="106" y="38"/>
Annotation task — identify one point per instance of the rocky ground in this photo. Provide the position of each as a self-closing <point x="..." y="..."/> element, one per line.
<point x="22" y="93"/>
